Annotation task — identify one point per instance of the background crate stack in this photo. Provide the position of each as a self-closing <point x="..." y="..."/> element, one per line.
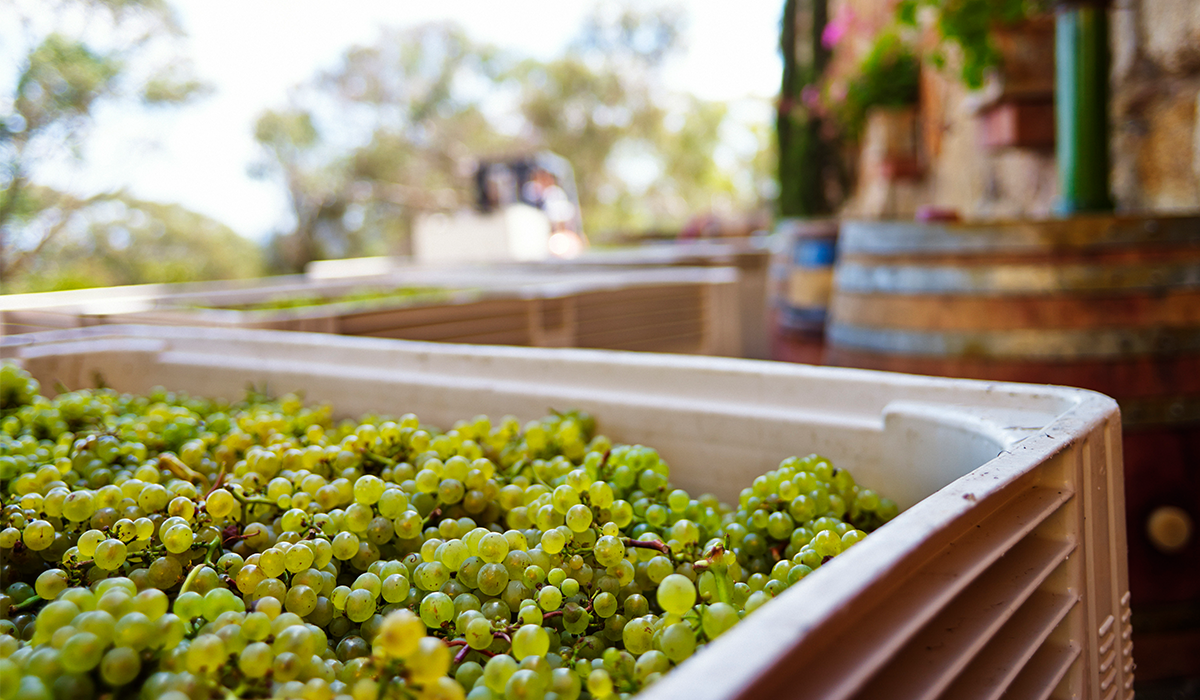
<point x="681" y="310"/>
<point x="1004" y="577"/>
<point x="748" y="258"/>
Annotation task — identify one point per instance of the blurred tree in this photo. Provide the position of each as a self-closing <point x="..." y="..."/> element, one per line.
<point x="391" y="132"/>
<point x="113" y="239"/>
<point x="120" y="52"/>
<point x="398" y="127"/>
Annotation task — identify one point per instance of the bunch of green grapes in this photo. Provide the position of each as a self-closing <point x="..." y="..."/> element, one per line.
<point x="168" y="546"/>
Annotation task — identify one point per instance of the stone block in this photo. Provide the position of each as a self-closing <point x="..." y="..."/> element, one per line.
<point x="1171" y="34"/>
<point x="1157" y="148"/>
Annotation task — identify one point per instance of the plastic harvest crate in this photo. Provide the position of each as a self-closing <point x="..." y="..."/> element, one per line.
<point x="664" y="310"/>
<point x="1003" y="577"/>
<point x="749" y="256"/>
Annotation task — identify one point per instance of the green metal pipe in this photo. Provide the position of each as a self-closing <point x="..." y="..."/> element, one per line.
<point x="1081" y="109"/>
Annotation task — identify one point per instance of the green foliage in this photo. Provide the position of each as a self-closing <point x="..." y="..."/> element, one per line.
<point x="968" y="25"/>
<point x="887" y="77"/>
<point x="396" y="129"/>
<point x="121" y="53"/>
<point x="116" y="240"/>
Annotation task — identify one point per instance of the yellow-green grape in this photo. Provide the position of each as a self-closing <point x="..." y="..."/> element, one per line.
<point x="395" y="588"/>
<point x="478" y="633"/>
<point x="493" y="547"/>
<point x="368" y="489"/>
<point x="298" y="559"/>
<point x="178" y="538"/>
<point x="678" y="642"/>
<point x="38" y="535"/>
<point x="272" y="562"/>
<point x="50" y="583"/>
<point x="430" y="661"/>
<point x="360" y="605"/>
<point x="400" y="634"/>
<point x="110" y="554"/>
<point x="220" y="503"/>
<point x="256" y="660"/>
<point x="79" y="506"/>
<point x="82" y="652"/>
<point x="345" y="546"/>
<point x="553" y="542"/>
<point x="206" y="655"/>
<point x="530" y="640"/>
<point x="579" y="518"/>
<point x="497" y="671"/>
<point x="120" y="666"/>
<point x="599" y="683"/>
<point x="134" y="630"/>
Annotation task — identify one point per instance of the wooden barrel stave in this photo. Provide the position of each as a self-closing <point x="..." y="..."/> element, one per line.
<point x="1110" y="303"/>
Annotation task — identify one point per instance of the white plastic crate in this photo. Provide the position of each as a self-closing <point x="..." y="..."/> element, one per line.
<point x="1004" y="577"/>
<point x="685" y="310"/>
<point x="749" y="256"/>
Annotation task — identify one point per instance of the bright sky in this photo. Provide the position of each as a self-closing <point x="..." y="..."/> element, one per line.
<point x="253" y="51"/>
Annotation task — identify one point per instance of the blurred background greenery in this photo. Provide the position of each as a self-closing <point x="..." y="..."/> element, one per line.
<point x="391" y="131"/>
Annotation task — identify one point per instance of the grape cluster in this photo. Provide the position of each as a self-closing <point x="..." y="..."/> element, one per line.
<point x="165" y="546"/>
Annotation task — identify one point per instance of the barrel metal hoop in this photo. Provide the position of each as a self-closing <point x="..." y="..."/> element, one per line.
<point x="1014" y="279"/>
<point x="1021" y="344"/>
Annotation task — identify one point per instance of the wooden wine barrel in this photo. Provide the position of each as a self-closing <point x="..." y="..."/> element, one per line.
<point x="1110" y="303"/>
<point x="801" y="272"/>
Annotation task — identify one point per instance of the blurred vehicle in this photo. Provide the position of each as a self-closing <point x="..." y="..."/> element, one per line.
<point x="526" y="208"/>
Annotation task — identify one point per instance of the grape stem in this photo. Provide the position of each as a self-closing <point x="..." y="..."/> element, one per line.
<point x="29" y="602"/>
<point x="191" y="578"/>
<point x="216" y="484"/>
<point x="170" y="462"/>
<point x="714" y="561"/>
<point x="647" y="544"/>
<point x="367" y="454"/>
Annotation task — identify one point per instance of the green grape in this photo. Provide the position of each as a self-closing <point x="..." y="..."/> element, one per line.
<point x="492" y="579"/>
<point x="134" y="630"/>
<point x="653" y="661"/>
<point x="530" y="640"/>
<point x="120" y="666"/>
<point x="256" y="660"/>
<point x="676" y="594"/>
<point x="497" y="671"/>
<point x="300" y="600"/>
<point x="272" y="562"/>
<point x="638" y="635"/>
<point x="178" y="538"/>
<point x="110" y="554"/>
<point x="678" y="642"/>
<point x="566" y="683"/>
<point x="400" y="634"/>
<point x="599" y="683"/>
<point x="478" y="633"/>
<point x="549" y="598"/>
<point x="437" y="609"/>
<point x="395" y="588"/>
<point x="345" y="546"/>
<point x="79" y="506"/>
<point x="297" y="559"/>
<point x="82" y="652"/>
<point x="493" y="547"/>
<point x="360" y="605"/>
<point x="430" y="661"/>
<point x="51" y="583"/>
<point x="38" y="535"/>
<point x="553" y="542"/>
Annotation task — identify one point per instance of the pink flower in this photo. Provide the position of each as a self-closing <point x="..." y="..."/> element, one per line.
<point x="811" y="96"/>
<point x="837" y="27"/>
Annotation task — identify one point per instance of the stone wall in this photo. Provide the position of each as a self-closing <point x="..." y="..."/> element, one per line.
<point x="966" y="166"/>
<point x="1156" y="104"/>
